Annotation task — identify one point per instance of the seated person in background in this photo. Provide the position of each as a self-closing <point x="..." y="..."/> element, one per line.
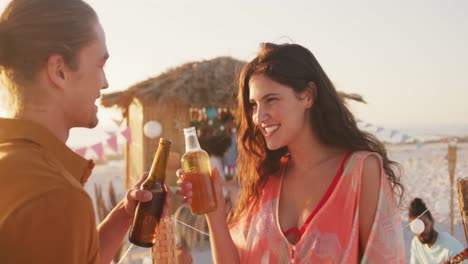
<point x="430" y="246"/>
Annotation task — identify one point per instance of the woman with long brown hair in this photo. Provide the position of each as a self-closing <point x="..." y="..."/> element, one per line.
<point x="314" y="188"/>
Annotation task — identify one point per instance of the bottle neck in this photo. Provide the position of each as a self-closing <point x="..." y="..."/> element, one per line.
<point x="158" y="168"/>
<point x="191" y="142"/>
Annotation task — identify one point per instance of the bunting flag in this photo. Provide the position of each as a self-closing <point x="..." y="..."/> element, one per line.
<point x="112" y="143"/>
<point x="99" y="149"/>
<point x="81" y="151"/>
<point x="404" y="138"/>
<point x="419" y="144"/>
<point x="127" y="135"/>
<point x="117" y="122"/>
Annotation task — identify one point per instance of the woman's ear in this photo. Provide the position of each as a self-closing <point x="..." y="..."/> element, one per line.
<point x="310" y="94"/>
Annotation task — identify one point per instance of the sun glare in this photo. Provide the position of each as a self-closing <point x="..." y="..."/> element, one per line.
<point x="3" y="102"/>
<point x="2" y="112"/>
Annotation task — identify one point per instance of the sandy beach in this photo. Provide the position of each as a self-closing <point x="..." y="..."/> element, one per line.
<point x="425" y="175"/>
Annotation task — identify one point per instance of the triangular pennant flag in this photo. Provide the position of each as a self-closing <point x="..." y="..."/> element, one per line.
<point x="393" y="133"/>
<point x="112" y="143"/>
<point x="127" y="135"/>
<point x="404" y="138"/>
<point x="99" y="149"/>
<point x="117" y="122"/>
<point x="379" y="129"/>
<point x="419" y="144"/>
<point x="81" y="151"/>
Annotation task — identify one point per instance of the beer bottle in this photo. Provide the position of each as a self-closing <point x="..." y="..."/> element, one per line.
<point x="148" y="214"/>
<point x="197" y="168"/>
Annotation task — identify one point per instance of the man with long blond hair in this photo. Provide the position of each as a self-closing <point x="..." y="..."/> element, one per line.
<point x="52" y="54"/>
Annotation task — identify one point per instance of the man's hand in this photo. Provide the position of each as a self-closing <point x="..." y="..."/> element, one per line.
<point x="136" y="194"/>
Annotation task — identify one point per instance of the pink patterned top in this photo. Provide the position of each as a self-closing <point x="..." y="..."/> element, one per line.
<point x="332" y="235"/>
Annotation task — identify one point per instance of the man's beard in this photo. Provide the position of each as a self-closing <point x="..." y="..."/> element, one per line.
<point x="429" y="238"/>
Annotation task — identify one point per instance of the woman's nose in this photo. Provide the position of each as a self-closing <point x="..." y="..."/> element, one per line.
<point x="260" y="115"/>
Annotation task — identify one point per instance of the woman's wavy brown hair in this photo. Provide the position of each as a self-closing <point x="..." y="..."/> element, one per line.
<point x="335" y="126"/>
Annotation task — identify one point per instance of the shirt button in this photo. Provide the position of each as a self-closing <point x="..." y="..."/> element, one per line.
<point x="294" y="248"/>
<point x="292" y="261"/>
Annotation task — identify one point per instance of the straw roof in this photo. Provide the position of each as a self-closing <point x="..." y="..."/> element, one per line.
<point x="205" y="83"/>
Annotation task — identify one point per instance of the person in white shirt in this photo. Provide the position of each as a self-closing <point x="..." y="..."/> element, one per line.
<point x="431" y="246"/>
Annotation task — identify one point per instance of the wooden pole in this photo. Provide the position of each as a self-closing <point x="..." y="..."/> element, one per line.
<point x="463" y="202"/>
<point x="452" y="161"/>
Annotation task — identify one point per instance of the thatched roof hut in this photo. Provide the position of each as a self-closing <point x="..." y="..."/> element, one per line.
<point x="198" y="84"/>
<point x="172" y="98"/>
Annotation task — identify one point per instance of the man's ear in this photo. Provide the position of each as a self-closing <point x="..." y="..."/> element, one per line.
<point x="310" y="94"/>
<point x="56" y="71"/>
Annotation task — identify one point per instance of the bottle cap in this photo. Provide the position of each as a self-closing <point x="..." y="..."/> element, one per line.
<point x="165" y="141"/>
<point x="189" y="130"/>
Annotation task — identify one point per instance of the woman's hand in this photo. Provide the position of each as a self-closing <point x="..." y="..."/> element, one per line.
<point x="185" y="190"/>
<point x="222" y="247"/>
<point x="136" y="195"/>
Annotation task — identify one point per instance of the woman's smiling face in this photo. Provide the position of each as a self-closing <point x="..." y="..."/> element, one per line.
<point x="277" y="110"/>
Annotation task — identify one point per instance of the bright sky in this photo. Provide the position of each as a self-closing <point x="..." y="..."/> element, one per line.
<point x="409" y="59"/>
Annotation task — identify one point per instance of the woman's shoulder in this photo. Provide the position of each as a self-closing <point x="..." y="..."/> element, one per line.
<point x="362" y="163"/>
<point x="362" y="158"/>
<point x="363" y="154"/>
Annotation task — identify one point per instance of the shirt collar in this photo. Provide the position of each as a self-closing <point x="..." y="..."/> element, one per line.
<point x="14" y="129"/>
